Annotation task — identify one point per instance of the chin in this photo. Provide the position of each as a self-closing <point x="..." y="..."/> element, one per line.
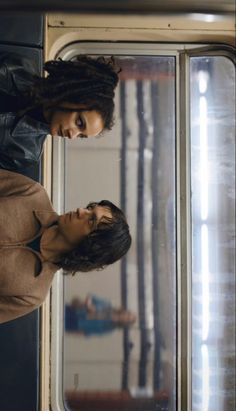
<point x="55" y="132"/>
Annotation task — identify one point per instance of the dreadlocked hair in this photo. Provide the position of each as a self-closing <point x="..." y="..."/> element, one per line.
<point x="108" y="243"/>
<point x="87" y="81"/>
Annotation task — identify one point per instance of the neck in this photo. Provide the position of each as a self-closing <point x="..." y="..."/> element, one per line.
<point x="53" y="244"/>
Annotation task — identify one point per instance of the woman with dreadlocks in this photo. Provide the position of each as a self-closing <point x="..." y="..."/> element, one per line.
<point x="75" y="100"/>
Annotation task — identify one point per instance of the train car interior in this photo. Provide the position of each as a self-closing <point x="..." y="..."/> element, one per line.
<point x="169" y="163"/>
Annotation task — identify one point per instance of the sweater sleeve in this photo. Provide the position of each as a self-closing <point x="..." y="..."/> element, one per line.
<point x="14" y="307"/>
<point x="16" y="73"/>
<point x="19" y="298"/>
<point x="12" y="184"/>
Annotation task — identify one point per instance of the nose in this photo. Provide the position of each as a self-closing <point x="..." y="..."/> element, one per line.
<point x="72" y="133"/>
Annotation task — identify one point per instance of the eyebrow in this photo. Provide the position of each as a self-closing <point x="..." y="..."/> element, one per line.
<point x="92" y="204"/>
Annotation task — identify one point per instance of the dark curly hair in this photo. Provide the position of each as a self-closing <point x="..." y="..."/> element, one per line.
<point x="87" y="81"/>
<point x="108" y="243"/>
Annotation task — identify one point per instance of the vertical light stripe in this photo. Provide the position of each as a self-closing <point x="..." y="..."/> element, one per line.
<point x="203" y="158"/>
<point x="205" y="280"/>
<point x="205" y="378"/>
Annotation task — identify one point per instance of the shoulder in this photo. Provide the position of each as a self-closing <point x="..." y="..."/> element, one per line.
<point x="11" y="175"/>
<point x="17" y="73"/>
<point x="14" y="61"/>
<point x="17" y="298"/>
<point x="13" y="184"/>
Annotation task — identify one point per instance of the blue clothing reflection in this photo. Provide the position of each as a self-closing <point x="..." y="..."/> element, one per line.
<point x="80" y="318"/>
<point x="95" y="316"/>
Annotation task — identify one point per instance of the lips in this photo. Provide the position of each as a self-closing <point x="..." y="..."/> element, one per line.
<point x="71" y="215"/>
<point x="74" y="214"/>
<point x="62" y="133"/>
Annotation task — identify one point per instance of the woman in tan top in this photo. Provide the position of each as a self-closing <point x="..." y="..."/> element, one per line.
<point x="35" y="242"/>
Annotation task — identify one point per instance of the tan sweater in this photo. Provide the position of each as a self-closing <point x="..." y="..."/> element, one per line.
<point x="25" y="277"/>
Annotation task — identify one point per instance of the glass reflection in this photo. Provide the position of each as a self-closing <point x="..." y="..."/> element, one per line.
<point x="213" y="233"/>
<point x="131" y="365"/>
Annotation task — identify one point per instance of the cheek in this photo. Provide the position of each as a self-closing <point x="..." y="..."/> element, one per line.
<point x="54" y="118"/>
<point x="59" y="118"/>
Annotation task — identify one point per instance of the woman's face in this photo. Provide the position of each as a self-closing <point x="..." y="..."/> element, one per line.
<point x="76" y="225"/>
<point x="74" y="124"/>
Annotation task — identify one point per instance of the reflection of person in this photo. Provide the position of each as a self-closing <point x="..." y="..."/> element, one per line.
<point x="95" y="316"/>
<point x="35" y="242"/>
<point x="74" y="100"/>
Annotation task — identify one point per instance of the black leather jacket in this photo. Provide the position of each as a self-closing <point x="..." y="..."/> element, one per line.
<point x="21" y="137"/>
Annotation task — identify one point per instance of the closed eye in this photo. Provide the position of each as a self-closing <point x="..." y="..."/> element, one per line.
<point x="93" y="221"/>
<point x="91" y="206"/>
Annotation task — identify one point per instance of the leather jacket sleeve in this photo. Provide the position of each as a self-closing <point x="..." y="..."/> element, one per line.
<point x="16" y="73"/>
<point x="20" y="164"/>
<point x="21" y="138"/>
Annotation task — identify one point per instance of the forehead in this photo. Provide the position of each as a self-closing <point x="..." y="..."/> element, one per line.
<point x="80" y="108"/>
<point x="93" y="204"/>
<point x="72" y="106"/>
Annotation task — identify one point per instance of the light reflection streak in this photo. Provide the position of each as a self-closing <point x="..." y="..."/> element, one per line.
<point x="205" y="281"/>
<point x="204" y="185"/>
<point x="202" y="81"/>
<point x="203" y="158"/>
<point x="205" y="378"/>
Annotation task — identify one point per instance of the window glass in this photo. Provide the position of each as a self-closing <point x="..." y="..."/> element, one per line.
<point x="108" y="364"/>
<point x="213" y="233"/>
